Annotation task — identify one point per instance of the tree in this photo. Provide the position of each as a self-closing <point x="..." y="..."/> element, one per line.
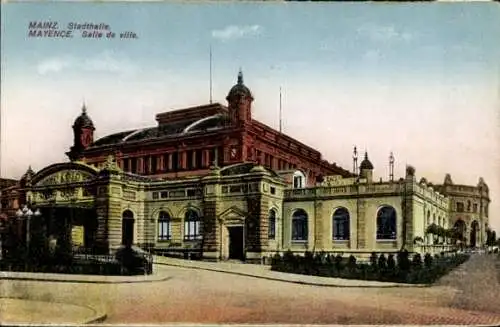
<point x="491" y="237"/>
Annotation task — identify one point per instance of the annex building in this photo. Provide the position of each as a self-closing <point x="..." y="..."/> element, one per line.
<point x="212" y="180"/>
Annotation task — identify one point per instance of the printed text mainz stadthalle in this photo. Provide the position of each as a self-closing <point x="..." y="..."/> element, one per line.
<point x="86" y="30"/>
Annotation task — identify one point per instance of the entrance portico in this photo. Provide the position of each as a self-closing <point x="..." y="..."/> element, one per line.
<point x="233" y="234"/>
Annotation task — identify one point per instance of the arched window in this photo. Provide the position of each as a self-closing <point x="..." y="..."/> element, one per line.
<point x="272" y="225"/>
<point x="164" y="226"/>
<point x="299" y="179"/>
<point x="341" y="224"/>
<point x="191" y="225"/>
<point x="299" y="225"/>
<point x="386" y="223"/>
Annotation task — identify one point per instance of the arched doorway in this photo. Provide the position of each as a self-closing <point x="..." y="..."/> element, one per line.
<point x="128" y="228"/>
<point x="473" y="233"/>
<point x="459" y="230"/>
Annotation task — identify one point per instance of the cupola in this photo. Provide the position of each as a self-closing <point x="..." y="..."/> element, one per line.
<point x="240" y="101"/>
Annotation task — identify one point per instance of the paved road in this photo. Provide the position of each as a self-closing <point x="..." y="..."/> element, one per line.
<point x="193" y="296"/>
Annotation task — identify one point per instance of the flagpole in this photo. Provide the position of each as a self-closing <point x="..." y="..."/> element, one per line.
<point x="281" y="114"/>
<point x="210" y="73"/>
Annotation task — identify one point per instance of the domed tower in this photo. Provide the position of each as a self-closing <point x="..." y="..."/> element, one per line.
<point x="240" y="101"/>
<point x="366" y="169"/>
<point x="83" y="132"/>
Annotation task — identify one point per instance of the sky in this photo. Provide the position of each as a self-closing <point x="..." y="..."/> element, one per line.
<point x="421" y="80"/>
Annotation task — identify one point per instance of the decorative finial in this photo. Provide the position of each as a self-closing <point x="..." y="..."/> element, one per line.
<point x="355" y="153"/>
<point x="240" y="77"/>
<point x="366" y="155"/>
<point x="84" y="108"/>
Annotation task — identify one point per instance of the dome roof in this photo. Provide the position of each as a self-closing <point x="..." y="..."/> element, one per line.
<point x="83" y="120"/>
<point x="366" y="164"/>
<point x="239" y="88"/>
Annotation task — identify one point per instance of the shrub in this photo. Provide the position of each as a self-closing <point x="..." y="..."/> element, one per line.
<point x="373" y="260"/>
<point x="338" y="262"/>
<point x="351" y="264"/>
<point x="391" y="263"/>
<point x="417" y="261"/>
<point x="403" y="260"/>
<point x="382" y="262"/>
<point x="428" y="260"/>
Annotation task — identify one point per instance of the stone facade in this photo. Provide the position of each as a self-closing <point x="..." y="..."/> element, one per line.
<point x="244" y="211"/>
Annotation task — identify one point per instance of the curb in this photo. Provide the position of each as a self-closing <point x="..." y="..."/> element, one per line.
<point x="297" y="281"/>
<point x="37" y="279"/>
<point x="98" y="318"/>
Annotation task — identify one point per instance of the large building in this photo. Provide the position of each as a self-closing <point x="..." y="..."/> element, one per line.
<point x="214" y="181"/>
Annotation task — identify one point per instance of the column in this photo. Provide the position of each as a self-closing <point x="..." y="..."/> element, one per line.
<point x="183" y="160"/>
<point x="170" y="163"/>
<point x="206" y="158"/>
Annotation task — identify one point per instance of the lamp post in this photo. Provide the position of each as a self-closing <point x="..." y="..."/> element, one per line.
<point x="26" y="213"/>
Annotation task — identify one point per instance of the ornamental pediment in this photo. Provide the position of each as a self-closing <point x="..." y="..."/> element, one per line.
<point x="65" y="177"/>
<point x="233" y="215"/>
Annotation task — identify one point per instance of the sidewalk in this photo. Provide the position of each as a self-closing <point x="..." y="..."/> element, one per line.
<point x="265" y="272"/>
<point x="89" y="279"/>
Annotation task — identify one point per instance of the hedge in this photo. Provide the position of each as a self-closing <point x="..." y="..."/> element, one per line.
<point x="399" y="269"/>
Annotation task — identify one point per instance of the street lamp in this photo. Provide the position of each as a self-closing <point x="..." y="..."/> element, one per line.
<point x="26" y="213"/>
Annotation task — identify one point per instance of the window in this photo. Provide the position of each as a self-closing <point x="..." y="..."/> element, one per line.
<point x="154" y="164"/>
<point x="126" y="164"/>
<point x="460" y="206"/>
<point x="468" y="205"/>
<point x="133" y="165"/>
<point x="341" y="224"/>
<point x="474" y="207"/>
<point x="198" y="159"/>
<point x="272" y="225"/>
<point x="299" y="180"/>
<point x="190" y="156"/>
<point x="428" y="217"/>
<point x="273" y="190"/>
<point x="299" y="225"/>
<point x="386" y="223"/>
<point x="191" y="225"/>
<point x="164" y="226"/>
<point x="155" y="195"/>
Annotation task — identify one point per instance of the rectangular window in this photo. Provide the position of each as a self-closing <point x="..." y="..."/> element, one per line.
<point x="192" y="230"/>
<point x="235" y="189"/>
<point x="198" y="159"/>
<point x="164" y="230"/>
<point x="273" y="190"/>
<point x="460" y="206"/>
<point x="211" y="157"/>
<point x="191" y="192"/>
<point x="164" y="195"/>
<point x="474" y="207"/>
<point x="299" y="230"/>
<point x="175" y="161"/>
<point x="297" y="182"/>
<point x="126" y="164"/>
<point x="133" y="166"/>
<point x="154" y="164"/>
<point x="155" y="195"/>
<point x="189" y="155"/>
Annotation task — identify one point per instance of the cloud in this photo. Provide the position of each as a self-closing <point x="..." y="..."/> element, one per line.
<point x="381" y="33"/>
<point x="107" y="62"/>
<point x="53" y="65"/>
<point x="233" y="32"/>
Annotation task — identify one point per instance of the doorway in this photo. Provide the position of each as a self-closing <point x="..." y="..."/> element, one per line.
<point x="236" y="248"/>
<point x="128" y="228"/>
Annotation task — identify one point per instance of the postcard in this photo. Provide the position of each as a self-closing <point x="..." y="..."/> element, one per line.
<point x="249" y="163"/>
